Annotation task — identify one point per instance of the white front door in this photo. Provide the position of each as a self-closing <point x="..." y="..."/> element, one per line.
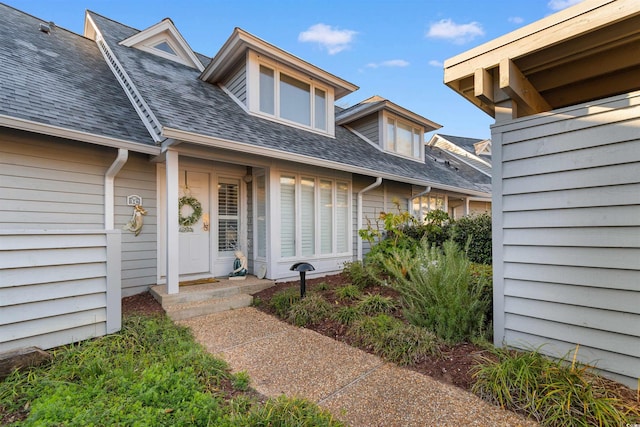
<point x="195" y="248"/>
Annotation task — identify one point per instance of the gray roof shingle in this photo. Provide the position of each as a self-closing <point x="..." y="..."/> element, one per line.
<point x="61" y="79"/>
<point x="182" y="101"/>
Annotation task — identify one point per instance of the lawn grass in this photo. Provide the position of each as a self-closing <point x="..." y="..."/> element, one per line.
<point x="151" y="373"/>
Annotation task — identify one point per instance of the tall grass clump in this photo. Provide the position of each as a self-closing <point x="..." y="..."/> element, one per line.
<point x="287" y="412"/>
<point x="554" y="392"/>
<point x="393" y="339"/>
<point x="438" y="292"/>
<point x="282" y="301"/>
<point x="309" y="310"/>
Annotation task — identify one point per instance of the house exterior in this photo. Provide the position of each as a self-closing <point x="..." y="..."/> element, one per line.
<point x="471" y="157"/>
<point x="129" y="160"/>
<point x="566" y="181"/>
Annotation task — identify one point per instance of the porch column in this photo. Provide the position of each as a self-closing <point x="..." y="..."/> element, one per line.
<point x="466" y="206"/>
<point x="172" y="243"/>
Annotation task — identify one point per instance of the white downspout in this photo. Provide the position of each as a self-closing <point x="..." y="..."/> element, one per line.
<point x="359" y="213"/>
<point x="109" y="177"/>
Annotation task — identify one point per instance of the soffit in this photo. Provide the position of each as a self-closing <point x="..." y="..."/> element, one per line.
<point x="586" y="52"/>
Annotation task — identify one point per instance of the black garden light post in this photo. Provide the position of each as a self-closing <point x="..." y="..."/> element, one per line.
<point x="302" y="267"/>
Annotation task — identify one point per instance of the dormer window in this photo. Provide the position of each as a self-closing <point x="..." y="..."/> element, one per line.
<point x="403" y="138"/>
<point x="292" y="99"/>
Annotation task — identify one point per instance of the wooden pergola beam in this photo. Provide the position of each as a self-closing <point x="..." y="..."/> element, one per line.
<point x="518" y="88"/>
<point x="483" y="85"/>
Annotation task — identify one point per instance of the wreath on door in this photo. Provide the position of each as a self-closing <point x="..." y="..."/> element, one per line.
<point x="187" y="221"/>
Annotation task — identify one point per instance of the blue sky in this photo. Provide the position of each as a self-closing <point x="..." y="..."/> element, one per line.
<point x="394" y="49"/>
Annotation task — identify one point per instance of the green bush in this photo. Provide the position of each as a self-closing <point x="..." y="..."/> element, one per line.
<point x="474" y="231"/>
<point x="348" y="292"/>
<point x="347" y="315"/>
<point x="482" y="275"/>
<point x="361" y="275"/>
<point x="287" y="412"/>
<point x="554" y="392"/>
<point x="393" y="339"/>
<point x="372" y="304"/>
<point x="282" y="301"/>
<point x="438" y="293"/>
<point x="309" y="310"/>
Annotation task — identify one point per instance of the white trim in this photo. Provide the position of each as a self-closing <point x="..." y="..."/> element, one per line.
<point x="172" y="236"/>
<point x="152" y="124"/>
<point x="386" y="115"/>
<point x="364" y="138"/>
<point x="77" y="135"/>
<point x="298" y="158"/>
<point x="393" y="108"/>
<point x="145" y="38"/>
<point x="240" y="41"/>
<point x="234" y="98"/>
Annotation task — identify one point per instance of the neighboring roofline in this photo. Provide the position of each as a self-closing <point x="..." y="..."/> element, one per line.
<point x="195" y="138"/>
<point x="239" y="41"/>
<point x="463" y="157"/>
<point x="162" y="26"/>
<point x="76" y="135"/>
<point x="385" y="104"/>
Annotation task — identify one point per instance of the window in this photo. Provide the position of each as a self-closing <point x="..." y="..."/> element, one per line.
<point x="228" y="219"/>
<point x="261" y="216"/>
<point x="402" y="138"/>
<point x="289" y="98"/>
<point x="429" y="202"/>
<point x="315" y="216"/>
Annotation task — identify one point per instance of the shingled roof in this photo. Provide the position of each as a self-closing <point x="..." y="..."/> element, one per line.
<point x="61" y="79"/>
<point x="181" y="101"/>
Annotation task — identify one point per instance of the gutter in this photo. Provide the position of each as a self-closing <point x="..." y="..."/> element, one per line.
<point x="359" y="213"/>
<point x="109" y="177"/>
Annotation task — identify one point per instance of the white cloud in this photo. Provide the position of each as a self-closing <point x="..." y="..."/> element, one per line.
<point x="389" y="63"/>
<point x="515" y="20"/>
<point x="436" y="63"/>
<point x="456" y="33"/>
<point x="333" y="39"/>
<point x="561" y="4"/>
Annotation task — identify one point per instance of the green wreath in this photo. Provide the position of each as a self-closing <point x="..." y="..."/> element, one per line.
<point x="195" y="216"/>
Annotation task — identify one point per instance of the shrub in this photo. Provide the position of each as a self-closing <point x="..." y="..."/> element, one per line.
<point x="482" y="274"/>
<point x="554" y="392"/>
<point x="282" y="300"/>
<point x="347" y="315"/>
<point x="287" y="412"/>
<point x="348" y="292"/>
<point x="360" y="275"/>
<point x="309" y="310"/>
<point x="437" y="291"/>
<point x="372" y="304"/>
<point x="394" y="340"/>
<point x="474" y="231"/>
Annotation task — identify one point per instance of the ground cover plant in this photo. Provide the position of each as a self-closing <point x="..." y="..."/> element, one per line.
<point x="151" y="373"/>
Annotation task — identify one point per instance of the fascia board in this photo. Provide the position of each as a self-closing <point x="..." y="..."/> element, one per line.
<point x="76" y="135"/>
<point x="194" y="138"/>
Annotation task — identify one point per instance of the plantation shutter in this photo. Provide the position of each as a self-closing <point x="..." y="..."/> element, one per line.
<point x="287" y="216"/>
<point x="261" y="216"/>
<point x="326" y="217"/>
<point x="307" y="216"/>
<point x="342" y="217"/>
<point x="228" y="219"/>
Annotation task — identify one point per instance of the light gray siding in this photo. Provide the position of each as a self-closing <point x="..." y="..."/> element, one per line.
<point x="567" y="233"/>
<point x="59" y="185"/>
<point x="368" y="127"/>
<point x="58" y="287"/>
<point x="237" y="83"/>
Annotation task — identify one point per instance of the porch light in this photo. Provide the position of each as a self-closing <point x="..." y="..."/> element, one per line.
<point x="302" y="268"/>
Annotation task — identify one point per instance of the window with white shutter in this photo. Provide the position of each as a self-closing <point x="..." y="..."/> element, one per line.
<point x="287" y="216"/>
<point x="228" y="218"/>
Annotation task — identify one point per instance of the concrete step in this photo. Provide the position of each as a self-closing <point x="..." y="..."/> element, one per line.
<point x="207" y="291"/>
<point x="187" y="310"/>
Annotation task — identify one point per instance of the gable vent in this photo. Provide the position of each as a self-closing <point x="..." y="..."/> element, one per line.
<point x="148" y="118"/>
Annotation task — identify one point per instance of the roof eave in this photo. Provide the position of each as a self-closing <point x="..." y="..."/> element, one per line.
<point x="240" y="40"/>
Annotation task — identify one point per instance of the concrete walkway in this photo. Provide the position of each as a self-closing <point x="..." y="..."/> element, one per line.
<point x="358" y="388"/>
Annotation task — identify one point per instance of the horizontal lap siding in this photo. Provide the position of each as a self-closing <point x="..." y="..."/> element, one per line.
<point x="55" y="184"/>
<point x="139" y="266"/>
<point x="54" y="287"/>
<point x="569" y="235"/>
<point x="368" y="127"/>
<point x="237" y="83"/>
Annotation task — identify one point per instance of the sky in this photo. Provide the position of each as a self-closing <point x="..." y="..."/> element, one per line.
<point x="392" y="48"/>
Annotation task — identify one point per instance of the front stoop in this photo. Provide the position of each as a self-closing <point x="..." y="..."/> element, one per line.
<point x="199" y="300"/>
